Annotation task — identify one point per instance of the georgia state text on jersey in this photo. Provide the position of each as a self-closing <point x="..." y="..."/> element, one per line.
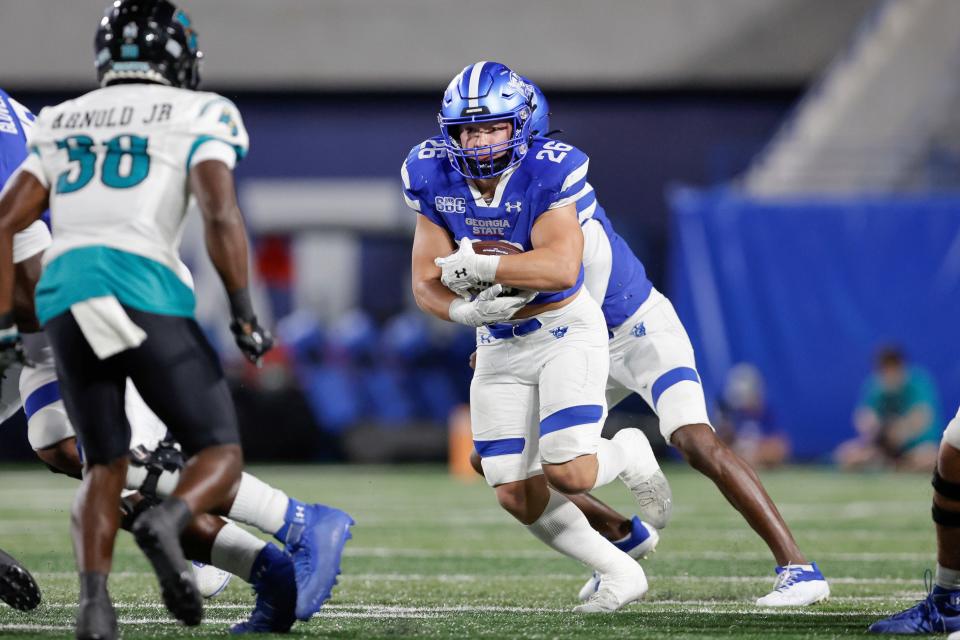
<point x="552" y="174"/>
<point x="116" y="161"/>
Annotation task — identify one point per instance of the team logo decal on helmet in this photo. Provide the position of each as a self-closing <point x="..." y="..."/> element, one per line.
<point x="486" y="92"/>
<point x="148" y="40"/>
<point x="540" y="120"/>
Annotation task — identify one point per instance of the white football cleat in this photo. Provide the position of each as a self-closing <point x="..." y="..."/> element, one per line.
<point x="797" y="585"/>
<point x="211" y="581"/>
<point x="954" y="636"/>
<point x="616" y="591"/>
<point x="641" y="542"/>
<point x="645" y="479"/>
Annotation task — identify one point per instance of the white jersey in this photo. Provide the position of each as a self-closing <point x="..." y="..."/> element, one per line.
<point x="116" y="162"/>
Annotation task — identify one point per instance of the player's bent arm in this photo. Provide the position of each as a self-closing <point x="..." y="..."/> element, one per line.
<point x="430" y="241"/>
<point x="212" y="183"/>
<point x="554" y="262"/>
<point x="22" y="201"/>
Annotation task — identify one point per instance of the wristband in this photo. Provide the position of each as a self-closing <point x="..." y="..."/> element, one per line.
<point x="241" y="308"/>
<point x="487" y="268"/>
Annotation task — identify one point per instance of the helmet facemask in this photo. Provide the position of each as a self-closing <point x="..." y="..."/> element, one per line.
<point x="486" y="92"/>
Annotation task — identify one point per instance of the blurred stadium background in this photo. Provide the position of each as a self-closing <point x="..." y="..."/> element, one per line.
<point x="786" y="169"/>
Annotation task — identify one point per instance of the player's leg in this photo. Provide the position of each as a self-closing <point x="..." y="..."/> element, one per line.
<point x="17" y="587"/>
<point x="633" y="536"/>
<point x="658" y="362"/>
<point x="940" y="611"/>
<point x="92" y="392"/>
<point x="505" y="423"/>
<point x="315" y="535"/>
<point x="572" y="407"/>
<point x="220" y="544"/>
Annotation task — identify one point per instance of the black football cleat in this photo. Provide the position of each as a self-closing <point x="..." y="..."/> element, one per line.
<point x="17" y="587"/>
<point x="96" y="618"/>
<point x="158" y="537"/>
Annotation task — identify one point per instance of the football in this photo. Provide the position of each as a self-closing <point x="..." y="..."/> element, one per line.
<point x="496" y="248"/>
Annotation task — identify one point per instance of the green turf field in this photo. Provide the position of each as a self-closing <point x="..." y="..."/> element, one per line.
<point x="432" y="557"/>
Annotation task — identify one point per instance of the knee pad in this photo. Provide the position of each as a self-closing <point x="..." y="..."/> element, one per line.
<point x="951" y="491"/>
<point x="679" y="405"/>
<point x="47" y="422"/>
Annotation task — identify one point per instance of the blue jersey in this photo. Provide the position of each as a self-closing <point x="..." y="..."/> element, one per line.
<point x="15" y="121"/>
<point x="628" y="286"/>
<point x="552" y="174"/>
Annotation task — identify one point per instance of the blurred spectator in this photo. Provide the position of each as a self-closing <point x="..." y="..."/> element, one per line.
<point x="745" y="422"/>
<point x="897" y="419"/>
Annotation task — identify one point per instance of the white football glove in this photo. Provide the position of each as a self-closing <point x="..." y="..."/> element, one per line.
<point x="465" y="269"/>
<point x="487" y="308"/>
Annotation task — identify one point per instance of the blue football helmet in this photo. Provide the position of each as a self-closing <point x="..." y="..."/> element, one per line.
<point x="147" y="40"/>
<point x="540" y="120"/>
<point x="486" y="92"/>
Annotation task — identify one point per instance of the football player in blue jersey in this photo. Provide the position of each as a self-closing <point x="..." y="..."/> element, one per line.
<point x="537" y="396"/>
<point x="17" y="586"/>
<point x="651" y="355"/>
<point x="939" y="612"/>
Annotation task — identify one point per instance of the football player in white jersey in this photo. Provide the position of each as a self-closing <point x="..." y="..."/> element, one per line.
<point x="218" y="548"/>
<point x="116" y="167"/>
<point x="537" y="397"/>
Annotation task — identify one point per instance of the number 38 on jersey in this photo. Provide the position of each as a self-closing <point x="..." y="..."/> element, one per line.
<point x="125" y="164"/>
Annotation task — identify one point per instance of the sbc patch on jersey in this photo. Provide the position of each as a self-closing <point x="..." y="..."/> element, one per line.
<point x="450" y="204"/>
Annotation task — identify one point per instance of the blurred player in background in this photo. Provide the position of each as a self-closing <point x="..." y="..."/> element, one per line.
<point x="537" y="398"/>
<point x="17" y="586"/>
<point x="940" y="611"/>
<point x="651" y="355"/>
<point x="154" y="139"/>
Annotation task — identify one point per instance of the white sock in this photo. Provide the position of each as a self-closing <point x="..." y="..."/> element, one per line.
<point x="612" y="459"/>
<point x="563" y="527"/>
<point x="948" y="578"/>
<point x="166" y="483"/>
<point x="259" y="505"/>
<point x="235" y="550"/>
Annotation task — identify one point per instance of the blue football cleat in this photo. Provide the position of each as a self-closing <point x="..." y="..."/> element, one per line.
<point x="939" y="612"/>
<point x="274" y="582"/>
<point x="315" y="536"/>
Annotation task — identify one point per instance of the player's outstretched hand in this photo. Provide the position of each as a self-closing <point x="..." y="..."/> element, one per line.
<point x="254" y="341"/>
<point x="488" y="308"/>
<point x="11" y="344"/>
<point x="464" y="268"/>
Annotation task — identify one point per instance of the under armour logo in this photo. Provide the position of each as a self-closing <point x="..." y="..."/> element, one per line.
<point x="300" y="514"/>
<point x="514" y="207"/>
<point x="559" y="332"/>
<point x="486" y="338"/>
<point x="460" y="273"/>
<point x="639" y="330"/>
